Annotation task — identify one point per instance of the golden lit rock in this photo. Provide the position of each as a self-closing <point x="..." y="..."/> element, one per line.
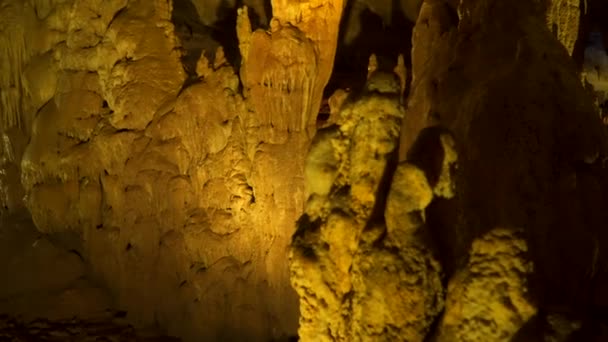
<point x="166" y="149"/>
<point x="291" y="63"/>
<point x="563" y="19"/>
<point x="352" y="278"/>
<point x="489" y="299"/>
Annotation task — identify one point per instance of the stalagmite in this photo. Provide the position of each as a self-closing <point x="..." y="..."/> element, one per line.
<point x="348" y="267"/>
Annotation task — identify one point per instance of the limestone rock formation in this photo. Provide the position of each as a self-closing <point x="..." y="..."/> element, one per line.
<point x="517" y="170"/>
<point x="489" y="300"/>
<point x="482" y="137"/>
<point x="284" y="70"/>
<point x="171" y="170"/>
<point x="359" y="278"/>
<point x="182" y="202"/>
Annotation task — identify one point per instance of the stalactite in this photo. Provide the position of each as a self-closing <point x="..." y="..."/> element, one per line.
<point x="17" y="18"/>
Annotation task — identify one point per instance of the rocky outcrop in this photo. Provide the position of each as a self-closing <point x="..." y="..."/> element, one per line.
<point x="284" y="70"/>
<point x="494" y="166"/>
<point x="183" y="201"/>
<point x="360" y="276"/>
<point x="489" y="299"/>
<point x="521" y="145"/>
<point x="471" y="211"/>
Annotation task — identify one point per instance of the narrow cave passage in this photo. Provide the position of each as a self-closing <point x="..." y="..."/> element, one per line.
<point x="365" y="31"/>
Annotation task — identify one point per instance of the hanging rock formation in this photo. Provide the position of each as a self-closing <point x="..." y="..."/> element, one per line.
<point x="285" y="70"/>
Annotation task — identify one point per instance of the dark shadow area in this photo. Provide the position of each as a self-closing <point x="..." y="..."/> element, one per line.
<point x="592" y="37"/>
<point x="224" y="30"/>
<point x="268" y="10"/>
<point x="197" y="38"/>
<point x="532" y="330"/>
<point x="194" y="36"/>
<point x="592" y="18"/>
<point x="385" y="40"/>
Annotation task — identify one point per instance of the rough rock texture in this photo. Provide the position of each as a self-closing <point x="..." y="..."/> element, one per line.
<point x="528" y="155"/>
<point x="497" y="192"/>
<point x="176" y="169"/>
<point x="358" y="278"/>
<point x="178" y="196"/>
<point x="284" y="70"/>
<point x="563" y="19"/>
<point x="74" y="330"/>
<point x="14" y="142"/>
<point x="489" y="299"/>
<point x="42" y="279"/>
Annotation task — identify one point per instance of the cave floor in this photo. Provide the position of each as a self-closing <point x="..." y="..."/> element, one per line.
<point x="46" y="295"/>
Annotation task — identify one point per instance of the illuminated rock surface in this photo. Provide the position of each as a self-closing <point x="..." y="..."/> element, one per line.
<point x="179" y="198"/>
<point x="357" y="278"/>
<point x="165" y="150"/>
<point x="493" y="112"/>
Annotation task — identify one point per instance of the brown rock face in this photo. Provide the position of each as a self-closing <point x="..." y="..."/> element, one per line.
<point x="359" y="278"/>
<point x="500" y="146"/>
<point x="518" y="136"/>
<point x="285" y="70"/>
<point x="462" y="201"/>
<point x="183" y="192"/>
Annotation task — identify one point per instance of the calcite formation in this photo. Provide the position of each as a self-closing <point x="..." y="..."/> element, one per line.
<point x="469" y="210"/>
<point x="520" y="145"/>
<point x="473" y="164"/>
<point x="489" y="300"/>
<point x="284" y="70"/>
<point x="361" y="277"/>
<point x="180" y="190"/>
<point x="387" y="10"/>
<point x="279" y="73"/>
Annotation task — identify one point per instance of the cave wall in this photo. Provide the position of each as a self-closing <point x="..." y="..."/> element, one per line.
<point x="476" y="201"/>
<point x="490" y="224"/>
<point x="181" y="188"/>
